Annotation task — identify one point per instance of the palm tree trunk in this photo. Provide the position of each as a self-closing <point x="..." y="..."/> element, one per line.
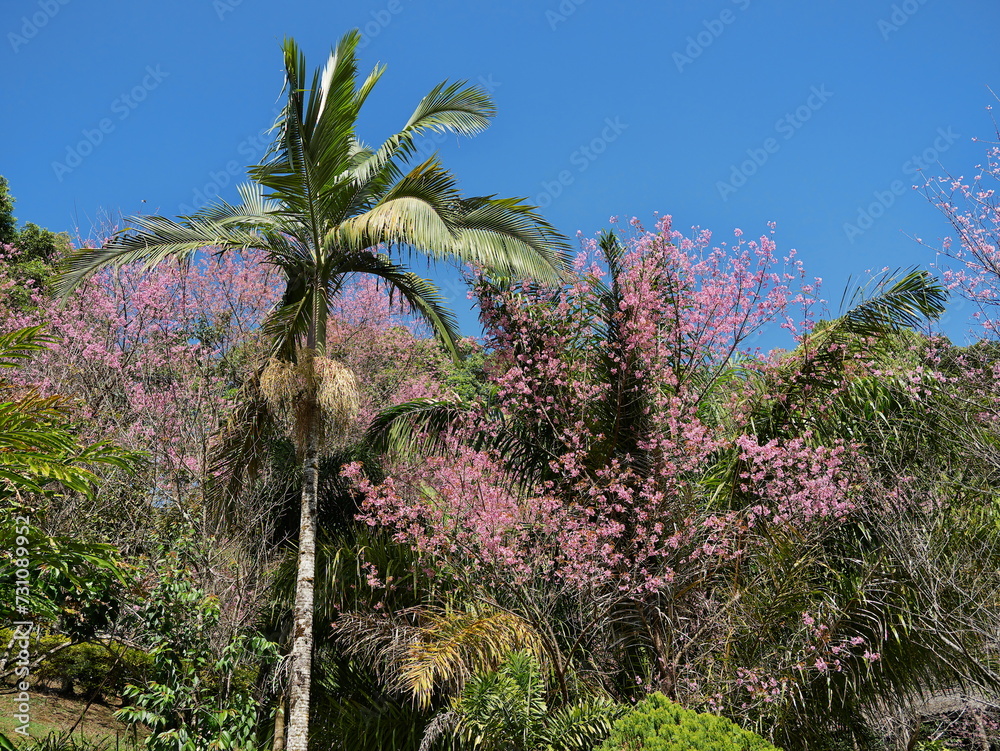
<point x="302" y="636"/>
<point x="279" y="726"/>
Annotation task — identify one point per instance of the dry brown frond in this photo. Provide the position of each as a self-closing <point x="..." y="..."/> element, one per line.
<point x="439" y="654"/>
<point x="282" y="384"/>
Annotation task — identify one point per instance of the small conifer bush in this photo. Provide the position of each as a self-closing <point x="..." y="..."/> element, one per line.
<point x="658" y="724"/>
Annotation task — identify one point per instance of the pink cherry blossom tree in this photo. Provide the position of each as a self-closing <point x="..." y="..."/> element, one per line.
<point x="150" y="358"/>
<point x="641" y="471"/>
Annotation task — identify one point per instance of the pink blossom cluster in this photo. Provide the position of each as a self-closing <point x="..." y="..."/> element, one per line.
<point x="760" y="687"/>
<point x="620" y="506"/>
<point x="794" y="481"/>
<point x="972" y="207"/>
<point x="828" y="653"/>
<point x="147" y="354"/>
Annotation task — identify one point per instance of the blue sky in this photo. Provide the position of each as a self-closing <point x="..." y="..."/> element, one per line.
<point x="723" y="113"/>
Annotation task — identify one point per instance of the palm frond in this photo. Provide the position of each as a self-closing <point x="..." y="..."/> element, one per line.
<point x="417" y="426"/>
<point x="255" y="210"/>
<point x="454" y="645"/>
<point x="154" y="239"/>
<point x="892" y="302"/>
<point x="240" y="449"/>
<point x="19" y="345"/>
<point x="315" y="139"/>
<point x="418" y="210"/>
<point x="440" y="652"/>
<point x="353" y="711"/>
<point x="581" y="725"/>
<point x="882" y="313"/>
<point x="455" y="108"/>
<point x="421" y="295"/>
<point x="508" y="236"/>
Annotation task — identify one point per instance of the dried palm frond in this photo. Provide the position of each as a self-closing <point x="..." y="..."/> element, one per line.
<point x="439" y="654"/>
<point x="281" y="384"/>
<point x="338" y="393"/>
<point x="454" y="645"/>
<point x="313" y="387"/>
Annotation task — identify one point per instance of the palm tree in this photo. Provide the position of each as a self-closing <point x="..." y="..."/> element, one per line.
<point x="325" y="207"/>
<point x="506" y="710"/>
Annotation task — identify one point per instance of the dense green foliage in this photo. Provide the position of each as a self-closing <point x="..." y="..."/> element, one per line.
<point x="507" y="708"/>
<point x="658" y="724"/>
<point x="195" y="697"/>
<point x="32" y="253"/>
<point x="8" y="223"/>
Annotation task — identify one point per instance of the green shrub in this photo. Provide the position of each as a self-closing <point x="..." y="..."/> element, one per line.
<point x="95" y="670"/>
<point x="658" y="724"/>
<point x="196" y="697"/>
<point x="509" y="709"/>
<point x="92" y="669"/>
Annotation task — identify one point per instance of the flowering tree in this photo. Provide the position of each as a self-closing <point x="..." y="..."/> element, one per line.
<point x="972" y="269"/>
<point x="606" y="387"/>
<point x="49" y="579"/>
<point x="972" y="208"/>
<point x="650" y="494"/>
<point x="390" y="352"/>
<point x="963" y="384"/>
<point x="151" y="359"/>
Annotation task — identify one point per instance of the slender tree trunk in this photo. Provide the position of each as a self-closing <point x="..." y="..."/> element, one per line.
<point x="279" y="726"/>
<point x="302" y="635"/>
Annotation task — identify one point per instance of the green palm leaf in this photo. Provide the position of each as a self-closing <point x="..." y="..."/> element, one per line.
<point x="892" y="302"/>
